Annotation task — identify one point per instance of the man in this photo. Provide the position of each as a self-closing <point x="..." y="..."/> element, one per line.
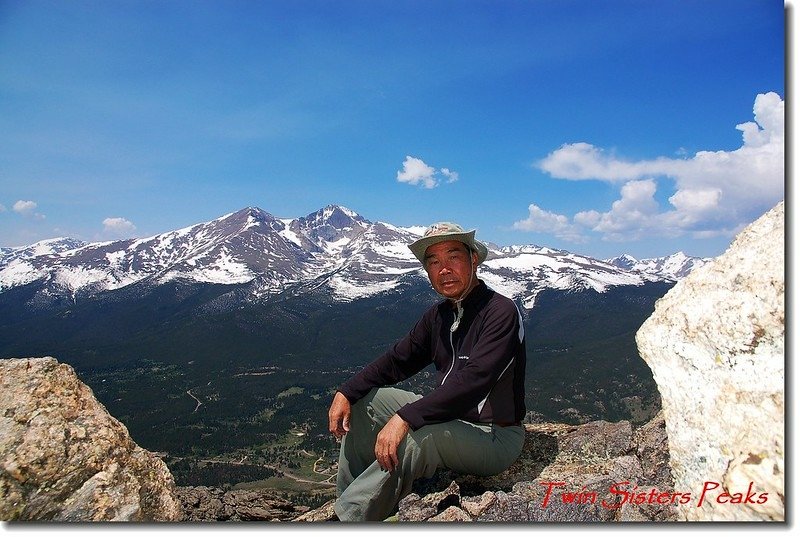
<point x="471" y="422"/>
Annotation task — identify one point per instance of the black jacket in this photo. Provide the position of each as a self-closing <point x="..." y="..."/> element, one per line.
<point x="481" y="365"/>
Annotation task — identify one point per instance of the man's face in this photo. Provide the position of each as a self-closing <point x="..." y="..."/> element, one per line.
<point x="449" y="266"/>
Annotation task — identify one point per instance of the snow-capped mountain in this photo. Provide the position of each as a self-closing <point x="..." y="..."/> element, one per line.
<point x="334" y="249"/>
<point x="672" y="267"/>
<point x="41" y="248"/>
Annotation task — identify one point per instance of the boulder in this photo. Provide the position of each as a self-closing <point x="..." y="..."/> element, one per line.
<point x="63" y="457"/>
<point x="324" y="513"/>
<point x="206" y="504"/>
<point x="715" y="344"/>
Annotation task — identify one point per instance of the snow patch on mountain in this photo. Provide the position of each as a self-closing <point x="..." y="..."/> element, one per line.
<point x="419" y="231"/>
<point x="511" y="287"/>
<point x="673" y="267"/>
<point x="225" y="269"/>
<point x="348" y="290"/>
<point x="80" y="277"/>
<point x="18" y="272"/>
<point x="288" y="234"/>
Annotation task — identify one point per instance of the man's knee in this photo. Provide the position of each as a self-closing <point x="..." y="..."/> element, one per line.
<point x="383" y="403"/>
<point x="418" y="451"/>
<point x="364" y="401"/>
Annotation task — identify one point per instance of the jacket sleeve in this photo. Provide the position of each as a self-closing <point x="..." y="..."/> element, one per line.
<point x="491" y="356"/>
<point x="406" y="358"/>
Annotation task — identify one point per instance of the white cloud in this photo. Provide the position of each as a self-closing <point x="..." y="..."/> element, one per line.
<point x="118" y="227"/>
<point x="634" y="214"/>
<point x="582" y="161"/>
<point x="24" y="208"/>
<point x="416" y="172"/>
<point x="2" y="208"/>
<point x="27" y="209"/>
<point x="541" y="221"/>
<point x="452" y="176"/>
<point x="715" y="192"/>
<point x="696" y="203"/>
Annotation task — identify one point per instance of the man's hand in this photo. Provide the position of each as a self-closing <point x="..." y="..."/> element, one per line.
<point x="388" y="439"/>
<point x="339" y="415"/>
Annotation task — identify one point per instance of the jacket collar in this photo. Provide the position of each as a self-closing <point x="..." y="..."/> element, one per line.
<point x="473" y="299"/>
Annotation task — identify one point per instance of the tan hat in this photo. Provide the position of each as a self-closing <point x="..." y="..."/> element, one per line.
<point x="447" y="231"/>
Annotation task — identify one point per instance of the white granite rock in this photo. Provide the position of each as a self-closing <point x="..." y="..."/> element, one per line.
<point x="715" y="344"/>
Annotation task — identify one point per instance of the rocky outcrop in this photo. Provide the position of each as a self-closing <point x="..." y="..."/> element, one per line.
<point x="63" y="457"/>
<point x="715" y="344"/>
<point x="566" y="473"/>
<point x="205" y="504"/>
<point x="325" y="513"/>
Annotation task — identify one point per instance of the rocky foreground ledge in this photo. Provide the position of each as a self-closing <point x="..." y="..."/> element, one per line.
<point x="566" y="473"/>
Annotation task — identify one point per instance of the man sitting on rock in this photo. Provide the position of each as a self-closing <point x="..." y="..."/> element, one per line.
<point x="470" y="423"/>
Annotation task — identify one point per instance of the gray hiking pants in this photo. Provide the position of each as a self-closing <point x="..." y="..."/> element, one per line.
<point x="368" y="493"/>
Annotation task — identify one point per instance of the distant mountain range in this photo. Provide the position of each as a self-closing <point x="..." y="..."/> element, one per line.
<point x="673" y="267"/>
<point x="242" y="308"/>
<point x="334" y="249"/>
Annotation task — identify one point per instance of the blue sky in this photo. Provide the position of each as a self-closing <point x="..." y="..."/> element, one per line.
<point x="599" y="127"/>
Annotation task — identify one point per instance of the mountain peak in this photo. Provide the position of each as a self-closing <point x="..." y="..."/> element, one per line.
<point x="244" y="219"/>
<point x="335" y="216"/>
<point x="624" y="261"/>
<point x="254" y="212"/>
<point x="341" y="208"/>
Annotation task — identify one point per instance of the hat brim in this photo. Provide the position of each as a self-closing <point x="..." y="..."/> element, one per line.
<point x="419" y="247"/>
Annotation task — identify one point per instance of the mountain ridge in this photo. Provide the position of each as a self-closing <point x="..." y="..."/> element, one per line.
<point x="334" y="246"/>
<point x="311" y="301"/>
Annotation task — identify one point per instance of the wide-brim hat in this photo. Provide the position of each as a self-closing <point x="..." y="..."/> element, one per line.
<point x="447" y="231"/>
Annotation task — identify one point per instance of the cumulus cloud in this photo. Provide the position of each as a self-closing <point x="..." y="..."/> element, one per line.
<point x="541" y="221"/>
<point x="416" y="172"/>
<point x="27" y="209"/>
<point x="631" y="216"/>
<point x="118" y="227"/>
<point x="582" y="161"/>
<point x="714" y="192"/>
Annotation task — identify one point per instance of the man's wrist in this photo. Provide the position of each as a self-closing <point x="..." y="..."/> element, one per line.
<point x="402" y="420"/>
<point x="408" y="416"/>
<point x="350" y="399"/>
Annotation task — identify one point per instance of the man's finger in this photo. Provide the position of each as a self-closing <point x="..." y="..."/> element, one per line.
<point x="339" y="416"/>
<point x="333" y="423"/>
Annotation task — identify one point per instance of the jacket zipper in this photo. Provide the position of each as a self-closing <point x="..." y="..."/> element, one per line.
<point x="453" y="329"/>
<point x="453" y="363"/>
